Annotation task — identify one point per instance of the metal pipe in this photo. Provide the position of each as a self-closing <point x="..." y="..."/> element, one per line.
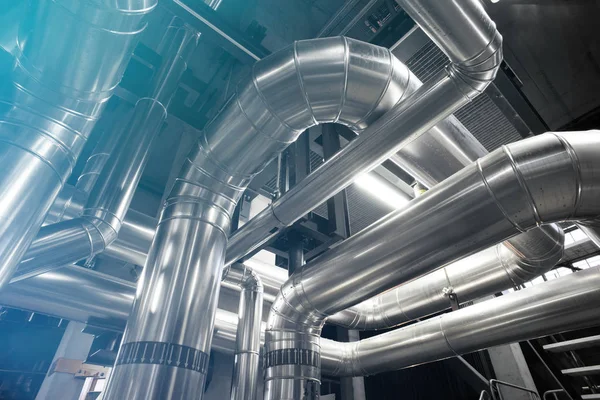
<point x="405" y="123"/>
<point x="283" y="97"/>
<point x="298" y="313"/>
<point x="490" y="271"/>
<point x="544" y="179"/>
<point x="82" y="238"/>
<point x="51" y="102"/>
<point x="246" y="364"/>
<point x="564" y="304"/>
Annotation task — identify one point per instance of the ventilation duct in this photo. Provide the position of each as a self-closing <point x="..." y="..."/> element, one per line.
<point x="564" y="304"/>
<point x="51" y="102"/>
<point x="545" y="179"/>
<point x="82" y="238"/>
<point x="285" y="95"/>
<point x="490" y="271"/>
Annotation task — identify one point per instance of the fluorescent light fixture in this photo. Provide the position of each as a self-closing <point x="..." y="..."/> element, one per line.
<point x="381" y="190"/>
<point x="494" y="1"/>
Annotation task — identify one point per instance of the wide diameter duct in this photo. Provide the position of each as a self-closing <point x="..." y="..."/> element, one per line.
<point x="545" y="179"/>
<point x="485" y="273"/>
<point x="50" y="103"/>
<point x="82" y="238"/>
<point x="467" y="35"/>
<point x="315" y="81"/>
<point x="564" y="304"/>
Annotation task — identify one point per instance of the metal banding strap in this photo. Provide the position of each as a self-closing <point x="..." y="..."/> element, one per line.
<point x="169" y="354"/>
<point x="292" y="357"/>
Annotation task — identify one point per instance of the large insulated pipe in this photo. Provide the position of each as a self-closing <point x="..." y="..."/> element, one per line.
<point x="51" y="102"/>
<point x="467" y="35"/>
<point x="246" y="363"/>
<point x="101" y="300"/>
<point x="564" y="304"/>
<point x="545" y="179"/>
<point x="82" y="238"/>
<point x="474" y="66"/>
<point x="178" y="293"/>
<point x="490" y="271"/>
<point x="71" y="200"/>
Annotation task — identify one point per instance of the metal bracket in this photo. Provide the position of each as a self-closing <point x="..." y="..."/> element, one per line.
<point x="452" y="297"/>
<point x="77" y="368"/>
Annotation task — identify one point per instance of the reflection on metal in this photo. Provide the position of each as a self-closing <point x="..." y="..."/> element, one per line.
<point x="515" y="188"/>
<point x="48" y="107"/>
<point x="567" y="303"/>
<point x="283" y="97"/>
<point x="82" y="238"/>
<point x="321" y="288"/>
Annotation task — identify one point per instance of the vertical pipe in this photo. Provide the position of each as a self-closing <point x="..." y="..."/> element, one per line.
<point x="246" y="365"/>
<point x="57" y="90"/>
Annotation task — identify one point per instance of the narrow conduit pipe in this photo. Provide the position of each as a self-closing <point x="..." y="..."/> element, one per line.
<point x="545" y="179"/>
<point x="246" y="363"/>
<point x="564" y="304"/>
<point x="314" y="81"/>
<point x="51" y="102"/>
<point x="485" y="273"/>
<point x="82" y="238"/>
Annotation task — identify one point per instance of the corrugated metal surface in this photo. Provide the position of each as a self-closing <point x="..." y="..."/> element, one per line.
<point x="482" y="117"/>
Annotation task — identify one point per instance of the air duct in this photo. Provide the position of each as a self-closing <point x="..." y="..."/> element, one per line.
<point x="490" y="271"/>
<point x="469" y="37"/>
<point x="175" y="306"/>
<point x="544" y="179"/>
<point x="51" y="102"/>
<point x="246" y="364"/>
<point x="82" y="238"/>
<point x="564" y="304"/>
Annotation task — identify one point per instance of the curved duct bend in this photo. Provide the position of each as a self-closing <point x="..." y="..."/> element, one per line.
<point x="82" y="238"/>
<point x="545" y="179"/>
<point x="51" y="102"/>
<point x="490" y="271"/>
<point x="314" y="81"/>
<point x="564" y="304"/>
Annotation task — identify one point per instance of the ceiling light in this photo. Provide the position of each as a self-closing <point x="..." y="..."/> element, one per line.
<point x="381" y="190"/>
<point x="494" y="1"/>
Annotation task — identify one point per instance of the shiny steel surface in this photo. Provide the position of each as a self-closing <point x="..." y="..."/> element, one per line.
<point x="111" y="195"/>
<point x="490" y="271"/>
<point x="564" y="304"/>
<point x="544" y="179"/>
<point x="51" y="102"/>
<point x="311" y="82"/>
<point x="367" y="258"/>
<point x="403" y="125"/>
<point x="246" y="364"/>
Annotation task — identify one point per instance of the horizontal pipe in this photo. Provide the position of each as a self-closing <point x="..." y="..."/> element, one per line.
<point x="485" y="273"/>
<point x="564" y="304"/>
<point x="545" y="179"/>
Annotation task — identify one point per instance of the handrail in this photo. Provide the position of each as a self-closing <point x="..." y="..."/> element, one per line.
<point x="497" y="394"/>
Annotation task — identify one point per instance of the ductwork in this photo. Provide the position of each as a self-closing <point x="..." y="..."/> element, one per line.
<point x="564" y="304"/>
<point x="474" y="66"/>
<point x="246" y="364"/>
<point x="312" y="294"/>
<point x="490" y="271"/>
<point x="284" y="96"/>
<point x="51" y="102"/>
<point x="548" y="178"/>
<point x="82" y="238"/>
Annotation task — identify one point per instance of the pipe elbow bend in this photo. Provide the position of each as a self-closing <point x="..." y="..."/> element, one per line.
<point x="474" y="75"/>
